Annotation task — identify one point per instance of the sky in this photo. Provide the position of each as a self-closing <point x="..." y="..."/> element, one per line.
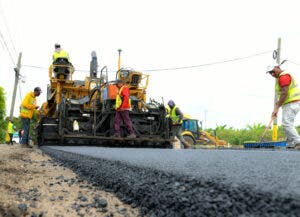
<point x="214" y="53"/>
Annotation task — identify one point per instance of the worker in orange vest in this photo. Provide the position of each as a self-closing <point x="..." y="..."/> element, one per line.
<point x="123" y="106"/>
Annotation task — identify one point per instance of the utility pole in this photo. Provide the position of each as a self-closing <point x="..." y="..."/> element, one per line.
<point x="17" y="75"/>
<point x="275" y="126"/>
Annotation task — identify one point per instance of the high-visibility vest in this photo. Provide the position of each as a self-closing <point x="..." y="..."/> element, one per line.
<point x="10" y="128"/>
<point x="168" y="109"/>
<point x="119" y="100"/>
<point x="28" y="106"/>
<point x="174" y="116"/>
<point x="293" y="91"/>
<point x="60" y="54"/>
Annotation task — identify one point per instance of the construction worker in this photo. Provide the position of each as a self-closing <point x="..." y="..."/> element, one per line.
<point x="288" y="94"/>
<point x="27" y="111"/>
<point x="59" y="53"/>
<point x="10" y="131"/>
<point x="122" y="110"/>
<point x="176" y="117"/>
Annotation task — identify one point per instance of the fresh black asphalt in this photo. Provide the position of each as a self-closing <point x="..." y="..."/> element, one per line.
<point x="165" y="182"/>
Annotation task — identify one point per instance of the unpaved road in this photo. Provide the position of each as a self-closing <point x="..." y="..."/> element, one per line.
<point x="32" y="184"/>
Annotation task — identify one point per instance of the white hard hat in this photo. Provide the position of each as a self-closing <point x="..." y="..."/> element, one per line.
<point x="271" y="67"/>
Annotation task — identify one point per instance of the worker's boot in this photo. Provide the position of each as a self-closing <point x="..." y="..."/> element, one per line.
<point x="131" y="136"/>
<point x="117" y="135"/>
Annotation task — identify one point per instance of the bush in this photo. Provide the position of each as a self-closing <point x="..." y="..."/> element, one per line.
<point x="239" y="136"/>
<point x="2" y="116"/>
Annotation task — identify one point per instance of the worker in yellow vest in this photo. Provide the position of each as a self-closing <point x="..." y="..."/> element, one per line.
<point x="27" y="111"/>
<point x="288" y="93"/>
<point x="10" y="131"/>
<point x="176" y="117"/>
<point x="59" y="53"/>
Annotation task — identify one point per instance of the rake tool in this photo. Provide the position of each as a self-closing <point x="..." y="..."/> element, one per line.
<point x="267" y="127"/>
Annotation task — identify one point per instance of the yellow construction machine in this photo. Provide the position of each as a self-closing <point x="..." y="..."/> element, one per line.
<point x="82" y="111"/>
<point x="194" y="135"/>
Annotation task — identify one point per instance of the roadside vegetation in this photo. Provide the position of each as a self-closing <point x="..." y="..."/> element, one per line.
<point x="3" y="124"/>
<point x="237" y="137"/>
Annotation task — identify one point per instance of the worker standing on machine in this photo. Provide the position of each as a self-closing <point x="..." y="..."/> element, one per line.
<point x="289" y="99"/>
<point x="176" y="117"/>
<point x="27" y="111"/>
<point x="122" y="110"/>
<point x="59" y="53"/>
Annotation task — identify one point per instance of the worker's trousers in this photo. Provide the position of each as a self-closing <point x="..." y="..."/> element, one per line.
<point x="11" y="138"/>
<point x="25" y="127"/>
<point x="123" y="115"/>
<point x="177" y="131"/>
<point x="289" y="113"/>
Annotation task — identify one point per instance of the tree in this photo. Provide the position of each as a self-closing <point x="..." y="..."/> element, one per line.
<point x="258" y="126"/>
<point x="2" y="115"/>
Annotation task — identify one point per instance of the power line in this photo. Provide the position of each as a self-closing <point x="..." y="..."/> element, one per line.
<point x="208" y="64"/>
<point x="2" y="44"/>
<point x="298" y="64"/>
<point x="44" y="68"/>
<point x="32" y="66"/>
<point x="177" y="68"/>
<point x="5" y="44"/>
<point x="6" y="26"/>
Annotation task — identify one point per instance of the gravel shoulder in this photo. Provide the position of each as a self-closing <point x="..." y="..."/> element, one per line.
<point x="32" y="184"/>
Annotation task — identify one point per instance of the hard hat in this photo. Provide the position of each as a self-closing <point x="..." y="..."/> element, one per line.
<point x="37" y="89"/>
<point x="171" y="103"/>
<point x="271" y="68"/>
<point x="57" y="45"/>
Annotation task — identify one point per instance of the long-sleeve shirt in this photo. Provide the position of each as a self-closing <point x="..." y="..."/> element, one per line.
<point x="28" y="106"/>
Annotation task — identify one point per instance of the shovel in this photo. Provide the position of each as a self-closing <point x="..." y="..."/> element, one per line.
<point x="267" y="127"/>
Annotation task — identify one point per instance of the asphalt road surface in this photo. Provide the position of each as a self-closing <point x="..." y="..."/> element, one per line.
<point x="201" y="182"/>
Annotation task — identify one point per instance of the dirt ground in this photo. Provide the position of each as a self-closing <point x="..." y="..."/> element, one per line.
<point x="32" y="184"/>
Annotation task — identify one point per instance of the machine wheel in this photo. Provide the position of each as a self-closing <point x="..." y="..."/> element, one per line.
<point x="190" y="141"/>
